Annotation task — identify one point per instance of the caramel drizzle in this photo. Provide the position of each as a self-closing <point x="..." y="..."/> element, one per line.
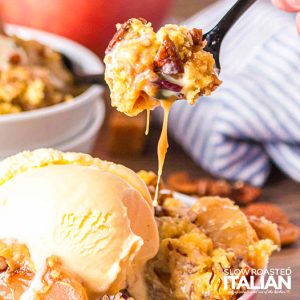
<point x="147" y="122"/>
<point x="163" y="145"/>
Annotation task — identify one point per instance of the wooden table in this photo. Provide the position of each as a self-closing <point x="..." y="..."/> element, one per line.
<point x="279" y="190"/>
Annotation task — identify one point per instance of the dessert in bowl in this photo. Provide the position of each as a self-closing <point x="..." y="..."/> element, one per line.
<point x="87" y="229"/>
<point x="33" y="76"/>
<point x="38" y="113"/>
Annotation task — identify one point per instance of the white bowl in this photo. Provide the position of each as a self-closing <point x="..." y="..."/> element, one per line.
<point x="54" y="124"/>
<point x="85" y="141"/>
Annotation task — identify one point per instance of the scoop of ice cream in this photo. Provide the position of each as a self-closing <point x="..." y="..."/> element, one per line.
<point x="96" y="216"/>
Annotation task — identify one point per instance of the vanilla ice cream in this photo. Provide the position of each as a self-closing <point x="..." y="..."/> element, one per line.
<point x="95" y="216"/>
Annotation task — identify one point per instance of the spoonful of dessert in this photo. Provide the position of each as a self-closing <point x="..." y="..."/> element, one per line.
<point x="146" y="69"/>
<point x="168" y="63"/>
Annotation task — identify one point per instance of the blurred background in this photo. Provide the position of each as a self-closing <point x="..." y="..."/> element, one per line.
<point x="92" y="23"/>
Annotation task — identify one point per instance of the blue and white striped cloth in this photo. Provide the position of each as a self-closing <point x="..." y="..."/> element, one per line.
<point x="254" y="117"/>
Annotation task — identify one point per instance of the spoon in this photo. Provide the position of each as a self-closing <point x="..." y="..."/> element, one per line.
<point x="214" y="40"/>
<point x="215" y="36"/>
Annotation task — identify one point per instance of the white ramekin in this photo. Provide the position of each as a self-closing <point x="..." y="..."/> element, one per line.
<point x="84" y="142"/>
<point x="56" y="124"/>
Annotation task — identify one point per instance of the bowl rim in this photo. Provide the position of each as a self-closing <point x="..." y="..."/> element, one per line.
<point x="87" y="133"/>
<point x="87" y="95"/>
<point x="43" y="36"/>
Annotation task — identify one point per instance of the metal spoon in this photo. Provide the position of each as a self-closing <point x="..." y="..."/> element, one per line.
<point x="214" y="40"/>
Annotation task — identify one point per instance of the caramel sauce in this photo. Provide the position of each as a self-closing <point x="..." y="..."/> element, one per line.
<point x="59" y="284"/>
<point x="147" y="122"/>
<point x="163" y="145"/>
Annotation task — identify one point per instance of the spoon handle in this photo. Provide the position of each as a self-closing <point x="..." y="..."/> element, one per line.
<point x="90" y="79"/>
<point x="215" y="36"/>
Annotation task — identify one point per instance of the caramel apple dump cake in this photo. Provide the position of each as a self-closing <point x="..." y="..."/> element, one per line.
<point x="73" y="227"/>
<point x="32" y="76"/>
<point x="198" y="244"/>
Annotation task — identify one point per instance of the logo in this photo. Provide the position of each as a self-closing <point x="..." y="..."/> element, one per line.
<point x="268" y="281"/>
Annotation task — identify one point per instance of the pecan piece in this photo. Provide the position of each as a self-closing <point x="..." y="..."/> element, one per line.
<point x="197" y="36"/>
<point x="271" y="212"/>
<point x="244" y="193"/>
<point x="15" y="59"/>
<point x="219" y="188"/>
<point x="120" y="33"/>
<point x="210" y="187"/>
<point x="288" y="232"/>
<point x="167" y="59"/>
<point x="239" y="191"/>
<point x="181" y="182"/>
<point x="160" y="211"/>
<point x="265" y="229"/>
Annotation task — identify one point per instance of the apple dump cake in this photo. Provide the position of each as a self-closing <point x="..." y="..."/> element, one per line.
<point x="198" y="244"/>
<point x="141" y="64"/>
<point x="86" y="229"/>
<point x="32" y="76"/>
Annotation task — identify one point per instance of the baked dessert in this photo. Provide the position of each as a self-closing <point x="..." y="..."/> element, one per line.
<point x="86" y="229"/>
<point x="200" y="244"/>
<point x="143" y="66"/>
<point x="32" y="76"/>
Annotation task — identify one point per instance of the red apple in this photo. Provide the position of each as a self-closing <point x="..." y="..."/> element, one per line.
<point x="90" y="22"/>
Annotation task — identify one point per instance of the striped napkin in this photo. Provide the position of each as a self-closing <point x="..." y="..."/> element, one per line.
<point x="254" y="117"/>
